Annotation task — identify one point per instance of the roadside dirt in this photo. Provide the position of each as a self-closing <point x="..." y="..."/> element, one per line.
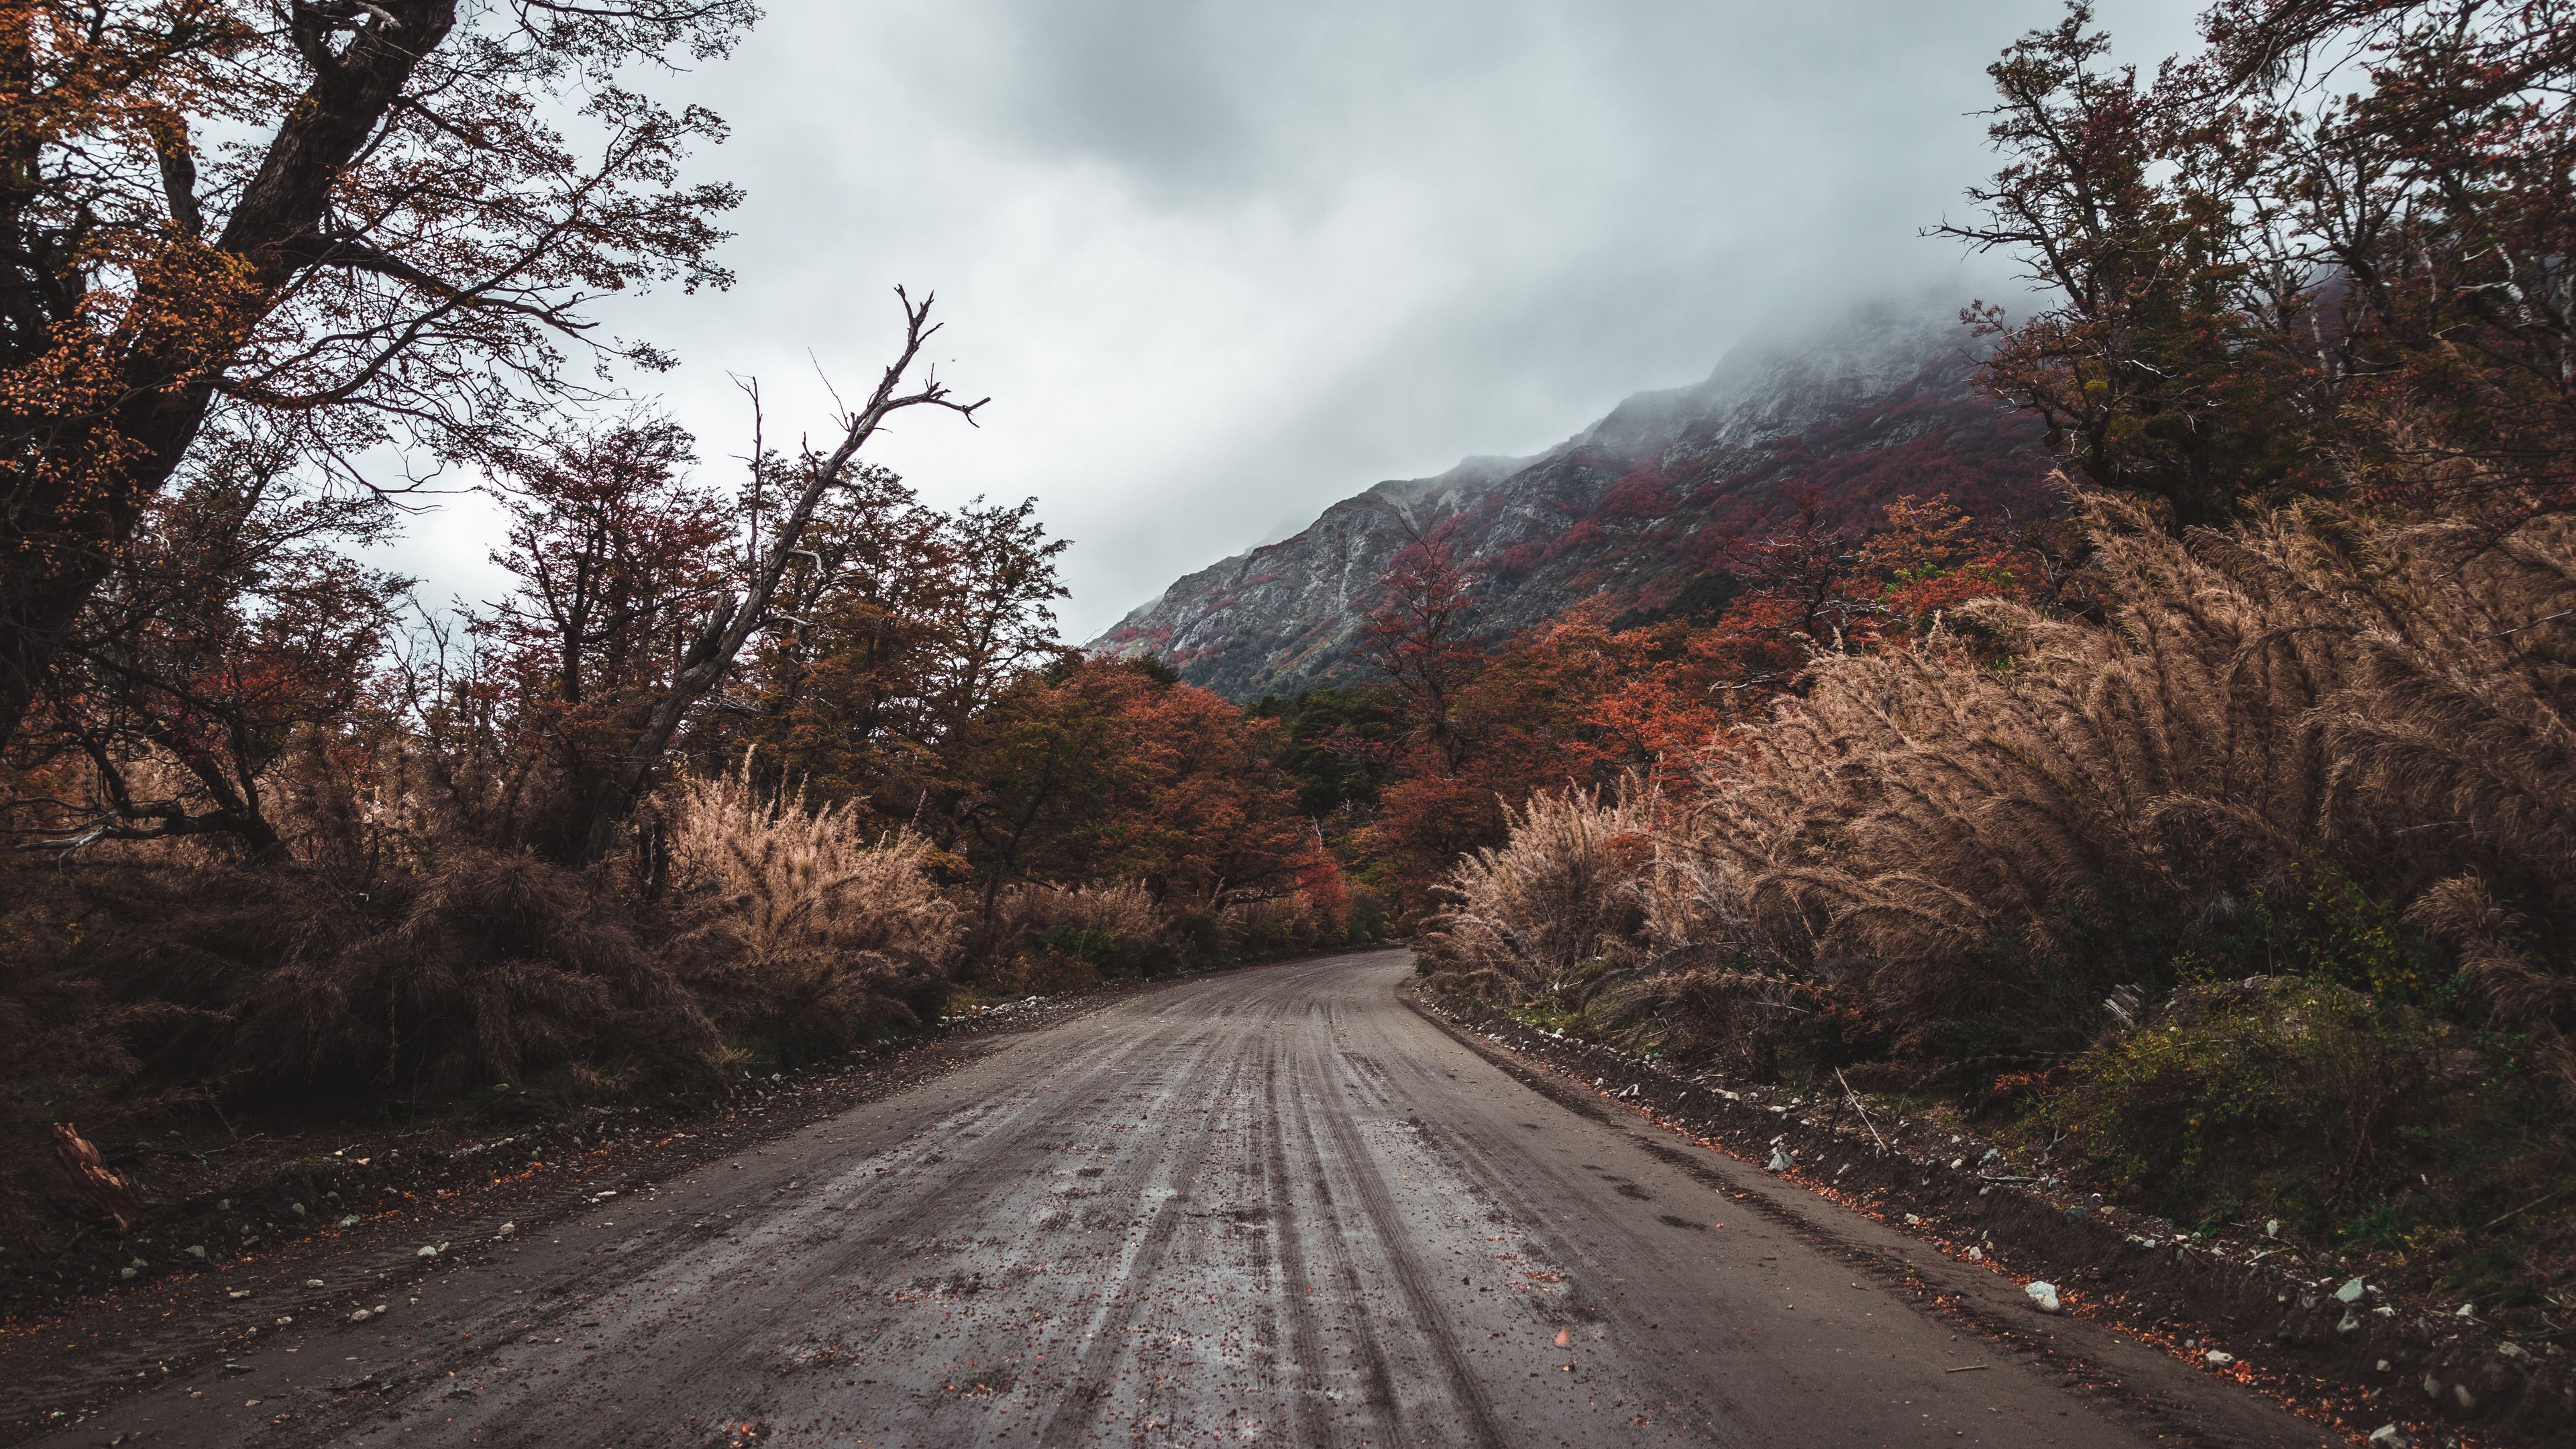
<point x="1277" y="1206"/>
<point x="318" y="1219"/>
<point x="2287" y="1324"/>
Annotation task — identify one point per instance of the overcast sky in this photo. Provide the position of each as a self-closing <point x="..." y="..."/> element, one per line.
<point x="1220" y="264"/>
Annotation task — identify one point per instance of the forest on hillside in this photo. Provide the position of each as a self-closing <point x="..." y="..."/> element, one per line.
<point x="2215" y="832"/>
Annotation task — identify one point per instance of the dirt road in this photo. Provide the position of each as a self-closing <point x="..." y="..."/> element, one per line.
<point x="1274" y="1206"/>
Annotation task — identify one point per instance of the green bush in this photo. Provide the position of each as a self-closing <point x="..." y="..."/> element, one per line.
<point x="2276" y="1095"/>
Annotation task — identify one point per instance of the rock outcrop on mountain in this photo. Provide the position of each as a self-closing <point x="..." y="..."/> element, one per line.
<point x="1646" y="507"/>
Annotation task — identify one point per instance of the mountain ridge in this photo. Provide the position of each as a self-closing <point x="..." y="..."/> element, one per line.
<point x="1637" y="507"/>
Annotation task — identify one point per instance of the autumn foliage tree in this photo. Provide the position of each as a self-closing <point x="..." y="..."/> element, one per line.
<point x="619" y="560"/>
<point x="2327" y="251"/>
<point x="361" y="222"/>
<point x="1098" y="770"/>
<point x="235" y="628"/>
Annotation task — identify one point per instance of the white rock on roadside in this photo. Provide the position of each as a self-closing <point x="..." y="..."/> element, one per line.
<point x="2219" y="1358"/>
<point x="2389" y="1436"/>
<point x="1780" y="1160"/>
<point x="2043" y="1296"/>
<point x="2351" y="1292"/>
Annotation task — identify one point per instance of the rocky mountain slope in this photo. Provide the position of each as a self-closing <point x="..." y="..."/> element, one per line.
<point x="1645" y="507"/>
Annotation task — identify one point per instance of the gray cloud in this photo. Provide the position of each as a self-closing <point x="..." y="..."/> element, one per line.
<point x="1221" y="264"/>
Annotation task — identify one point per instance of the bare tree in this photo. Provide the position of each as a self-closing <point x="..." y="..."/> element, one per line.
<point x="711" y="655"/>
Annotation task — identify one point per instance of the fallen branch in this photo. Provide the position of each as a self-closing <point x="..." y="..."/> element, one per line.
<point x="1854" y="1098"/>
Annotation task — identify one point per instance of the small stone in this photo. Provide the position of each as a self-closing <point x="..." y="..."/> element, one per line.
<point x="2351" y="1292"/>
<point x="2043" y="1296"/>
<point x="313" y="1283"/>
<point x="350" y="1221"/>
<point x="238" y="1293"/>
<point x="2466" y="1399"/>
<point x="2512" y="1350"/>
<point x="2467" y="1310"/>
<point x="125" y="1273"/>
<point x="2077" y="1214"/>
<point x="296" y="1208"/>
<point x="138" y="1264"/>
<point x="1976" y="1255"/>
<point x="426" y="1252"/>
<point x="284" y="1319"/>
<point x="2218" y="1358"/>
<point x="2351" y="1321"/>
<point x="1780" y="1160"/>
<point x="2383" y="1366"/>
<point x="197" y="1251"/>
<point x="505" y="1230"/>
<point x="2272" y="1229"/>
<point x="2389" y="1436"/>
<point x="2432" y="1387"/>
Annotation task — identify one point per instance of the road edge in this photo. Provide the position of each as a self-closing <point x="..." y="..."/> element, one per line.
<point x="2165" y="1294"/>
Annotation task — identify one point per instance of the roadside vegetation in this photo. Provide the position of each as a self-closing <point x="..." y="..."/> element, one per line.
<point x="741" y="772"/>
<point x="2217" y="838"/>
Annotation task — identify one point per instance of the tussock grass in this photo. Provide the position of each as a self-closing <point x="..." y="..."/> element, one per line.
<point x="2328" y="748"/>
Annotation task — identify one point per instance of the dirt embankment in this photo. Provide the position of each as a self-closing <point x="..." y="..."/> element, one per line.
<point x="2288" y="1320"/>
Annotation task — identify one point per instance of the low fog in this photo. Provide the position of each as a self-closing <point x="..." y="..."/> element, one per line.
<point x="1221" y="265"/>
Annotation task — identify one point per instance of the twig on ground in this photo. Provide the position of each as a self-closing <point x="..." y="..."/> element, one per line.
<point x="1854" y="1098"/>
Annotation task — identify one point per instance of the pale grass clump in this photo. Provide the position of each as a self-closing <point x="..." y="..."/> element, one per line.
<point x="1274" y="924"/>
<point x="1559" y="903"/>
<point x="1121" y="911"/>
<point x="2318" y="688"/>
<point x="821" y="932"/>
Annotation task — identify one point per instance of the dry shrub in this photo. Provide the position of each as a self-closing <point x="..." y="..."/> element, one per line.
<point x="499" y="966"/>
<point x="2322" y="687"/>
<point x="817" y="937"/>
<point x="154" y="978"/>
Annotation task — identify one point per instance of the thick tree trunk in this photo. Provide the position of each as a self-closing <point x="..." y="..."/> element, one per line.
<point x="83" y="482"/>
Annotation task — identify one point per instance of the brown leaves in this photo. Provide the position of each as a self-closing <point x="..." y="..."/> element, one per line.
<point x="109" y="1189"/>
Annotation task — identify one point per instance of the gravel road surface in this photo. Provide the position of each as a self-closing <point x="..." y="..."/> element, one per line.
<point x="1275" y="1206"/>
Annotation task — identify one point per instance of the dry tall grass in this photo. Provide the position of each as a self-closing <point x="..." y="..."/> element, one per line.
<point x="1560" y="902"/>
<point x="1123" y="911"/>
<point x="1944" y="835"/>
<point x="822" y="937"/>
